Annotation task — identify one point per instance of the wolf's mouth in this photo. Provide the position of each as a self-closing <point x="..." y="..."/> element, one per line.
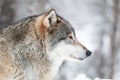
<point x="76" y="58"/>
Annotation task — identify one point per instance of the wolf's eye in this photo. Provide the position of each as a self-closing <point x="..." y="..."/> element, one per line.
<point x="70" y="37"/>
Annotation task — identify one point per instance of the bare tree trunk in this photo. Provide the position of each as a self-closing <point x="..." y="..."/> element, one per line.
<point x="13" y="10"/>
<point x="102" y="63"/>
<point x="6" y="12"/>
<point x="113" y="38"/>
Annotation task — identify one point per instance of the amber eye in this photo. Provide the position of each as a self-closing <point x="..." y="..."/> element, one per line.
<point x="70" y="37"/>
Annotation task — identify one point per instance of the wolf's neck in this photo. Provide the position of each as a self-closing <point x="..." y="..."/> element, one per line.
<point x="54" y="68"/>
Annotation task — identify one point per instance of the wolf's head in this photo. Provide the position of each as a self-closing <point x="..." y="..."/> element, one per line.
<point x="60" y="40"/>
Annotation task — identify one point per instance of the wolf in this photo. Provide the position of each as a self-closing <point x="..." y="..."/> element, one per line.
<point x="34" y="48"/>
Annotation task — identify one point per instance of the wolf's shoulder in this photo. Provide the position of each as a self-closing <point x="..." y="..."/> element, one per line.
<point x="19" y="22"/>
<point x="17" y="31"/>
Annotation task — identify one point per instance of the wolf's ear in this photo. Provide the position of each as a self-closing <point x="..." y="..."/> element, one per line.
<point x="50" y="18"/>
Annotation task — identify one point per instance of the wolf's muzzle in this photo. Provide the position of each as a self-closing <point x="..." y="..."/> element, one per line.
<point x="88" y="53"/>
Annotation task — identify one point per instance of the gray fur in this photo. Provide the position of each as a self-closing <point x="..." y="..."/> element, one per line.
<point x="63" y="29"/>
<point x="25" y="47"/>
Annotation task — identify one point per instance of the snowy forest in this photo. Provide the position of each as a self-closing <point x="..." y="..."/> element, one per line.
<point x="96" y="24"/>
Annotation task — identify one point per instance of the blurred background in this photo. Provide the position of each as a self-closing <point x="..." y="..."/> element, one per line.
<point x="97" y="26"/>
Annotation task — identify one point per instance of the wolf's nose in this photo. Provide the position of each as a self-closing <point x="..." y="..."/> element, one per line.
<point x="88" y="53"/>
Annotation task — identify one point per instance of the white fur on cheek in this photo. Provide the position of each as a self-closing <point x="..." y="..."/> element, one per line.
<point x="61" y="52"/>
<point x="64" y="51"/>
